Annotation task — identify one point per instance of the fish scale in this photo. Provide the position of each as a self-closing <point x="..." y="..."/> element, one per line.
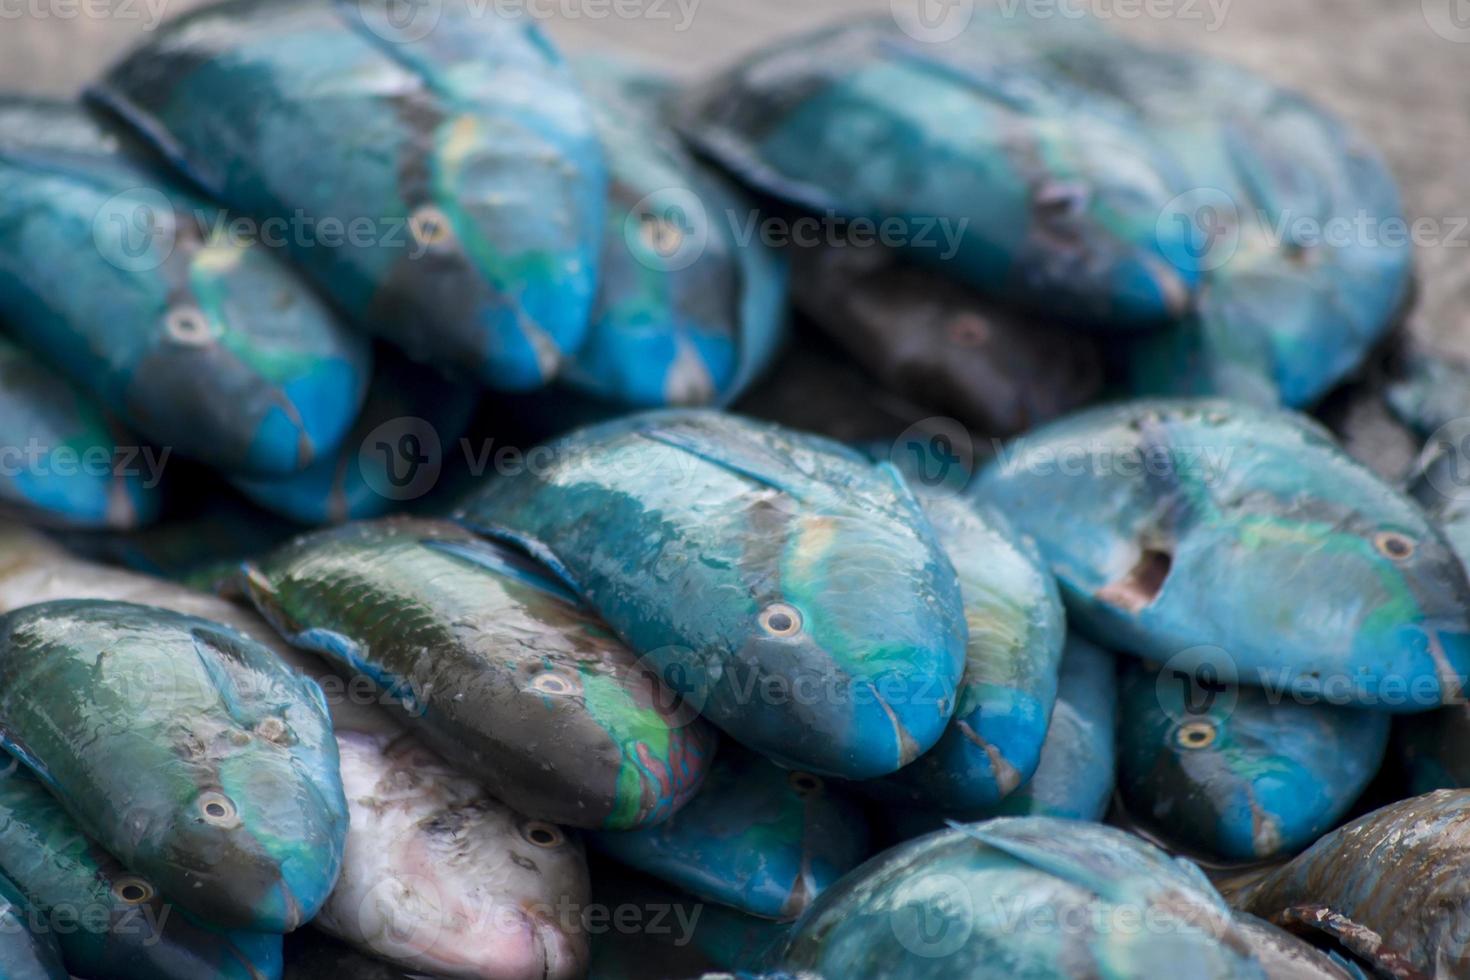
<point x="499" y="670"/>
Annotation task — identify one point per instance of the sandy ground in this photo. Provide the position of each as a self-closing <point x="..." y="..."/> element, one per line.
<point x="1398" y="69"/>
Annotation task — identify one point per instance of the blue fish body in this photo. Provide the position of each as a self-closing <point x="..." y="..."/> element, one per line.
<point x="790" y="590"/>
<point x="1235" y="775"/>
<point x="1016" y="630"/>
<point x="479" y="209"/>
<point x="81" y="479"/>
<point x="28" y="950"/>
<point x="409" y="424"/>
<point x="136" y="290"/>
<point x="1208" y="535"/>
<point x="989" y="900"/>
<point x="685" y="314"/>
<point x="108" y="920"/>
<point x="1074" y="779"/>
<point x="1050" y="194"/>
<point x="758" y="838"/>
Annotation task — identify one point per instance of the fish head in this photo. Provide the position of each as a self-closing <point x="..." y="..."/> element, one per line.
<point x="264" y="833"/>
<point x="1101" y="224"/>
<point x="248" y="354"/>
<point x="477" y="890"/>
<point x="1380" y="595"/>
<point x="858" y="635"/>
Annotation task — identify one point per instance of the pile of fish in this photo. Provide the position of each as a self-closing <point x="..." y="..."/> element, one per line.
<point x="751" y="658"/>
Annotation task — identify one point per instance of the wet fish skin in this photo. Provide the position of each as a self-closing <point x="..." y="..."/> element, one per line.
<point x="34" y="570"/>
<point x="1074" y="779"/>
<point x="937" y="342"/>
<point x="485" y="196"/>
<point x="365" y="477"/>
<point x="1016" y="632"/>
<point x="1286" y="957"/>
<point x="203" y="342"/>
<point x="686" y="314"/>
<point x="494" y="664"/>
<point x="929" y="908"/>
<point x="1187" y="531"/>
<point x="1387" y="887"/>
<point x="1236" y="775"/>
<point x="189" y="751"/>
<point x="38" y="405"/>
<point x="740" y="558"/>
<point x="73" y="884"/>
<point x="1052" y="197"/>
<point x="440" y="877"/>
<point x="28" y="949"/>
<point x="761" y="839"/>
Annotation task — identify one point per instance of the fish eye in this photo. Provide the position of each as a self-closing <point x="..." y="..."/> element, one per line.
<point x="804" y="783"/>
<point x="430" y="226"/>
<point x="1391" y="544"/>
<point x="552" y="683"/>
<point x="779" y="619"/>
<point x="188" y="325"/>
<point x="1061" y="199"/>
<point x="132" y="890"/>
<point x="218" y="810"/>
<point x="969" y="330"/>
<point x="1196" y="735"/>
<point x="543" y="834"/>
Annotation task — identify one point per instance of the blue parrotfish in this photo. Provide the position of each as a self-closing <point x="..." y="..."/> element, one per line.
<point x="1231" y="773"/>
<point x="791" y="591"/>
<point x="145" y="295"/>
<point x="1046" y="896"/>
<point x="1243" y="546"/>
<point x="191" y="752"/>
<point x="1002" y="164"/>
<point x="494" y="663"/>
<point x="469" y="236"/>
<point x="65" y="462"/>
<point x="408" y="427"/>
<point x="1016" y="630"/>
<point x="761" y="839"/>
<point x="687" y="313"/>
<point x="109" y="920"/>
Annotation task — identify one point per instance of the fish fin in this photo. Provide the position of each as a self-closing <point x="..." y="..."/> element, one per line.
<point x="26" y="758"/>
<point x="490" y="556"/>
<point x="688" y="439"/>
<point x="534" y="547"/>
<point x="1051" y="857"/>
<point x="340" y="649"/>
<point x="257" y="587"/>
<point x="901" y="484"/>
<point x="1008" y="86"/>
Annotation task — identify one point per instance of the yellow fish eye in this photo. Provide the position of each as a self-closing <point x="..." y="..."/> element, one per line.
<point x="132" y="890"/>
<point x="1393" y="545"/>
<point x="542" y="834"/>
<point x="1196" y="735"/>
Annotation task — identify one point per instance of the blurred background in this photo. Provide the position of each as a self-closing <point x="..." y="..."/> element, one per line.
<point x="1398" y="69"/>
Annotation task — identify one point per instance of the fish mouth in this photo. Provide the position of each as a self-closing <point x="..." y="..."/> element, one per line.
<point x="520" y="946"/>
